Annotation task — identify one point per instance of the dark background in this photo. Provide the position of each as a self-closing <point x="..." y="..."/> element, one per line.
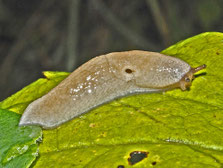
<point x="60" y="35"/>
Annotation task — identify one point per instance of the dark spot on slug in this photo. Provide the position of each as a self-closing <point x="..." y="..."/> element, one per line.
<point x="121" y="166"/>
<point x="137" y="156"/>
<point x="217" y="53"/>
<point x="153" y="163"/>
<point x="128" y="70"/>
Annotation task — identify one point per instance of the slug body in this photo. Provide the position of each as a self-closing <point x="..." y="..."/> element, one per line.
<point x="105" y="78"/>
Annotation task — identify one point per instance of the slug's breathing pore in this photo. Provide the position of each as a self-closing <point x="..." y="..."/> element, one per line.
<point x="105" y="78"/>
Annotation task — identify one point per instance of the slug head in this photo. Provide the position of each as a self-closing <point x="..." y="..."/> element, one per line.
<point x="185" y="82"/>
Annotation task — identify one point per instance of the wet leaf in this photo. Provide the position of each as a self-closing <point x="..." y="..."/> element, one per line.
<point x="18" y="146"/>
<point x="176" y="129"/>
<point x="20" y="100"/>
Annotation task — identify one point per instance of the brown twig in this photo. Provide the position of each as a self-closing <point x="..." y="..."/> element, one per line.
<point x="160" y="20"/>
<point x="72" y="39"/>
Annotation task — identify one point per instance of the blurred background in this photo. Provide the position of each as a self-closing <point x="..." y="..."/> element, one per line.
<point x="60" y="35"/>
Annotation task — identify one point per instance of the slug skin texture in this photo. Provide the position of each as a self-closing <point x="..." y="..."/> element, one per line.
<point x="105" y="78"/>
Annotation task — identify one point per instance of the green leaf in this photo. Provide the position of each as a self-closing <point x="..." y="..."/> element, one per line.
<point x="18" y="146"/>
<point x="174" y="129"/>
<point x="20" y="100"/>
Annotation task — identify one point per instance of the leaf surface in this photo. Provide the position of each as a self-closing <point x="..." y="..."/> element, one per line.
<point x="175" y="128"/>
<point x="20" y="100"/>
<point x="18" y="146"/>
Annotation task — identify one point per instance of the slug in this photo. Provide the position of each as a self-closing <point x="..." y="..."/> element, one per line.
<point x="105" y="78"/>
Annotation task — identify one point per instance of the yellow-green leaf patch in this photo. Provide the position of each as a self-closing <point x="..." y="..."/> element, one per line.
<point x="190" y="123"/>
<point x="171" y="129"/>
<point x="20" y="100"/>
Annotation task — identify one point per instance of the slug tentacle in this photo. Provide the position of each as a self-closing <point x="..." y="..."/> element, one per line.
<point x="185" y="82"/>
<point x="194" y="70"/>
<point x="105" y="78"/>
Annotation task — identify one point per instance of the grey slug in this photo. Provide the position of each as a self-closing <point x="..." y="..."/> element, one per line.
<point x="105" y="78"/>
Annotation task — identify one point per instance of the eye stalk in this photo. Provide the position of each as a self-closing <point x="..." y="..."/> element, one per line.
<point x="185" y="82"/>
<point x="187" y="79"/>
